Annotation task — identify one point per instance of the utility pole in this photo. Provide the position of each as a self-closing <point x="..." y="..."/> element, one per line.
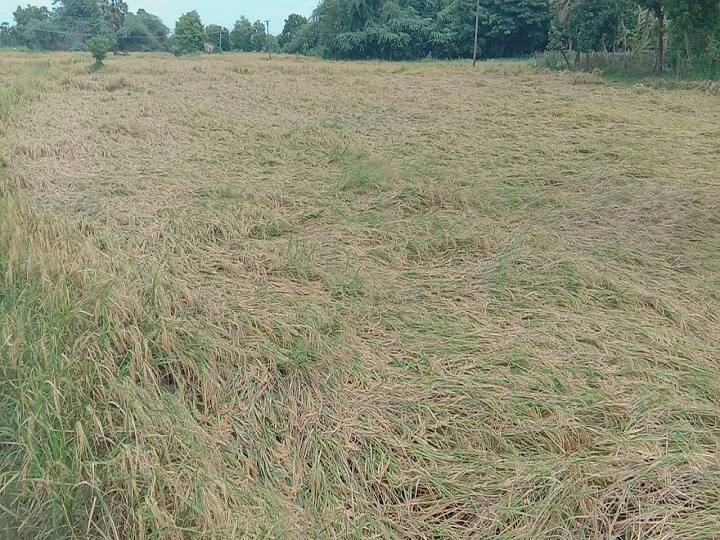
<point x="267" y="38"/>
<point x="477" y="21"/>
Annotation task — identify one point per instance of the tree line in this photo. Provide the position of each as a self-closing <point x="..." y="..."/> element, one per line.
<point x="396" y="29"/>
<point x="414" y="29"/>
<point x="69" y="24"/>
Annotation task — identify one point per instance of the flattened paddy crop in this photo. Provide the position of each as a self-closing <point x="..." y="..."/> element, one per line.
<point x="307" y="299"/>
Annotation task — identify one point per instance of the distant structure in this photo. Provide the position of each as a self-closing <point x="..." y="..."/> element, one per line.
<point x="209" y="48"/>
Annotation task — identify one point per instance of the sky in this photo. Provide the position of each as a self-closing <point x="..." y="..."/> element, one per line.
<point x="223" y="12"/>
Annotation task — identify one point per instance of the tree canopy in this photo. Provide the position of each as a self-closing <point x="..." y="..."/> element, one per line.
<point x="396" y="29"/>
<point x="70" y="24"/>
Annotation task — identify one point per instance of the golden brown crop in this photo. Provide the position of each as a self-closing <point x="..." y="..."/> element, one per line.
<point x="297" y="298"/>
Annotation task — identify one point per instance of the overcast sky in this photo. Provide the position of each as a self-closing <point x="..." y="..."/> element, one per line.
<point x="224" y="12"/>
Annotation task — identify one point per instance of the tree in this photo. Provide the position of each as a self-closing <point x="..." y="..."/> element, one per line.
<point x="78" y="10"/>
<point x="189" y="33"/>
<point x="114" y="13"/>
<point x="79" y="19"/>
<point x="44" y="35"/>
<point x="219" y="36"/>
<point x="305" y="40"/>
<point x="241" y="35"/>
<point x="154" y="25"/>
<point x="693" y="24"/>
<point x="135" y="36"/>
<point x="410" y="29"/>
<point x="7" y="35"/>
<point x="658" y="8"/>
<point x="595" y="23"/>
<point x="259" y="37"/>
<point x="99" y="46"/>
<point x="293" y="24"/>
<point x="23" y="15"/>
<point x="505" y="28"/>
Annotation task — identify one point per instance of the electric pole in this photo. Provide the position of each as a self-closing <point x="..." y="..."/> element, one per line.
<point x="477" y="21"/>
<point x="267" y="38"/>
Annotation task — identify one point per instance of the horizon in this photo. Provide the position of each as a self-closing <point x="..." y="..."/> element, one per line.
<point x="222" y="12"/>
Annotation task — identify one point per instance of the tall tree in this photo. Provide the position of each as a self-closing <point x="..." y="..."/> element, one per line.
<point x="23" y="15"/>
<point x="134" y="35"/>
<point x="154" y="25"/>
<point x="219" y="36"/>
<point x="241" y="35"/>
<point x="259" y="37"/>
<point x="693" y="23"/>
<point x="8" y="35"/>
<point x="189" y="33"/>
<point x="293" y="24"/>
<point x="44" y="35"/>
<point x="114" y="13"/>
<point x="658" y="8"/>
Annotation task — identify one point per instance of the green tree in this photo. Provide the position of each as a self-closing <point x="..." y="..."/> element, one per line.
<point x="657" y="7"/>
<point x="407" y="29"/>
<point x="595" y="23"/>
<point x="8" y="35"/>
<point x="86" y="11"/>
<point x="135" y="36"/>
<point x="259" y="37"/>
<point x="505" y="28"/>
<point x="293" y="24"/>
<point x="693" y="24"/>
<point x="114" y="13"/>
<point x="189" y="33"/>
<point x="218" y="36"/>
<point x="154" y="25"/>
<point x="23" y="15"/>
<point x="99" y="46"/>
<point x="305" y="40"/>
<point x="80" y="18"/>
<point x="241" y="35"/>
<point x="44" y="35"/>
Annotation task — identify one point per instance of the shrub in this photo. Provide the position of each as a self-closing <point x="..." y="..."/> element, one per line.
<point x="99" y="46"/>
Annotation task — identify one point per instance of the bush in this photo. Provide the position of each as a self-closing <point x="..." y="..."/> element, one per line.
<point x="99" y="46"/>
<point x="630" y="65"/>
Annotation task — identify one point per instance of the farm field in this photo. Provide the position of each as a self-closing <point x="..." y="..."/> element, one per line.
<point x="293" y="298"/>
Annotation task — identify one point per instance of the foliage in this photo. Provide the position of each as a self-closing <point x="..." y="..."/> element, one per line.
<point x="72" y="22"/>
<point x="293" y="25"/>
<point x="44" y="35"/>
<point x="305" y="40"/>
<point x="593" y="24"/>
<point x="259" y="37"/>
<point x="9" y="35"/>
<point x="189" y="33"/>
<point x="241" y="35"/>
<point x="23" y="15"/>
<point x="219" y="36"/>
<point x="249" y="37"/>
<point x="99" y="46"/>
<point x="136" y="36"/>
<point x="154" y="25"/>
<point x="438" y="28"/>
<point x="678" y="32"/>
<point x="114" y="13"/>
